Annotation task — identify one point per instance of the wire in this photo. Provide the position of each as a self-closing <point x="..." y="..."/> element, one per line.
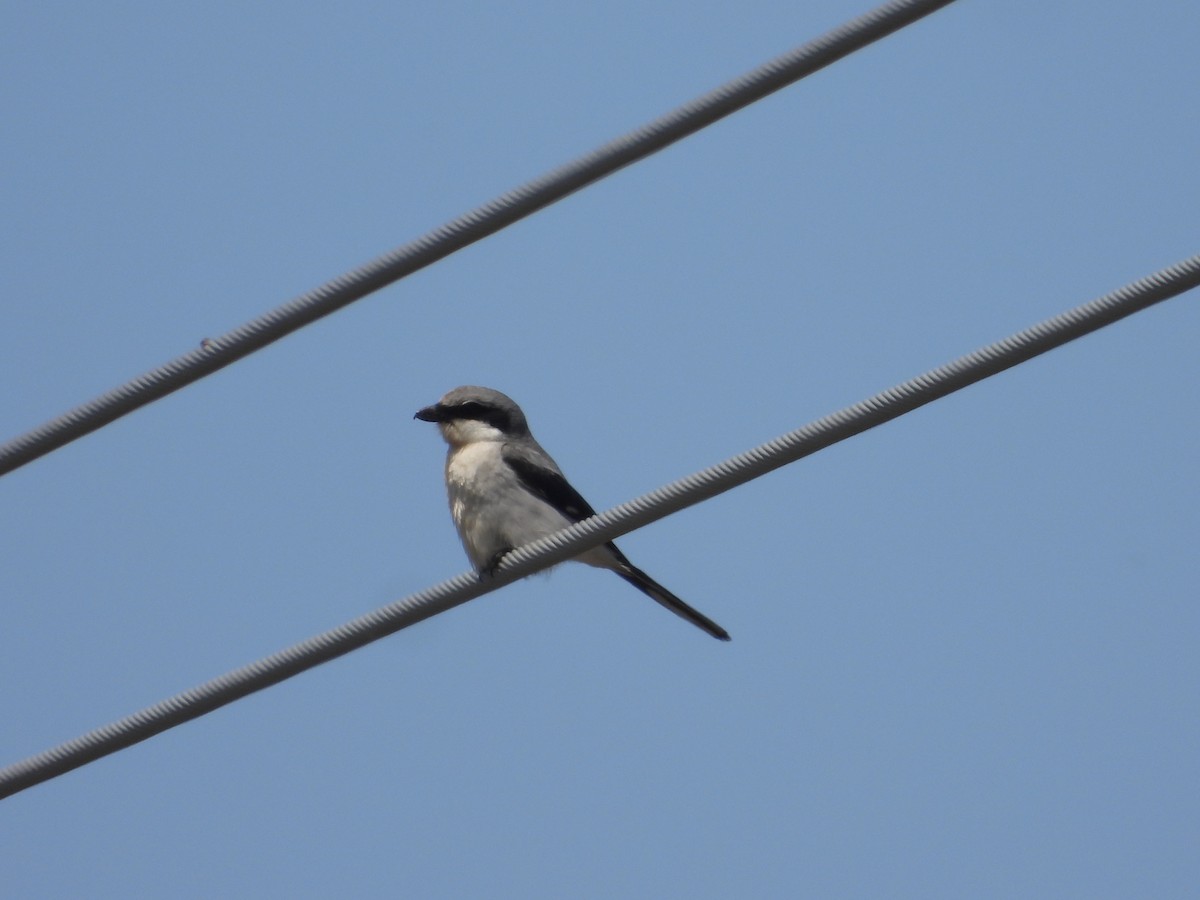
<point x="606" y="526"/>
<point x="216" y="353"/>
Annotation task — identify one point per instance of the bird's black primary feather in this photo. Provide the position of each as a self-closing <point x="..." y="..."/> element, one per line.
<point x="548" y="484"/>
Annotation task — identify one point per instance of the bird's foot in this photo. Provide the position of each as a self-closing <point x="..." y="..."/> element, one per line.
<point x="493" y="564"/>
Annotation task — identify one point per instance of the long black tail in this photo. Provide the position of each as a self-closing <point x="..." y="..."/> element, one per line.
<point x="660" y="594"/>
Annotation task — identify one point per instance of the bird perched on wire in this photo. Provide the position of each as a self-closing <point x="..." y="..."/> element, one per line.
<point x="506" y="491"/>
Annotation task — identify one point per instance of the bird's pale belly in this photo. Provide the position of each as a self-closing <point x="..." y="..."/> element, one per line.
<point x="503" y="516"/>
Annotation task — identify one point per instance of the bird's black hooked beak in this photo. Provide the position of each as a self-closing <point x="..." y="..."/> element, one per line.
<point x="429" y="413"/>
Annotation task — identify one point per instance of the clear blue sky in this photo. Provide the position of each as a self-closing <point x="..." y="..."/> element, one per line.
<point x="965" y="644"/>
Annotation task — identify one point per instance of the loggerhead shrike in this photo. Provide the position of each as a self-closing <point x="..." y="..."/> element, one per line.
<point x="506" y="491"/>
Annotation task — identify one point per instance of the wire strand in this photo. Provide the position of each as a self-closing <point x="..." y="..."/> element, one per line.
<point x="606" y="526"/>
<point x="475" y="225"/>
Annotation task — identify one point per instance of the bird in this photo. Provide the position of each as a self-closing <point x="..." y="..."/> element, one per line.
<point x="506" y="491"/>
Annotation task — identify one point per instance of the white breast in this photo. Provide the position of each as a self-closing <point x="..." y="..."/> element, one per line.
<point x="491" y="507"/>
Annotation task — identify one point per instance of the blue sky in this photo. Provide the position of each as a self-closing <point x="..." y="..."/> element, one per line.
<point x="964" y="658"/>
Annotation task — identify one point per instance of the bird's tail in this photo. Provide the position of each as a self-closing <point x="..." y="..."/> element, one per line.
<point x="660" y="594"/>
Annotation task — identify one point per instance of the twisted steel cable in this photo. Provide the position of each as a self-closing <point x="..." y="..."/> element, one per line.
<point x="606" y="526"/>
<point x="475" y="225"/>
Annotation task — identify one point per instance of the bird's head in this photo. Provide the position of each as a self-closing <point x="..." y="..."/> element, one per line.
<point x="472" y="414"/>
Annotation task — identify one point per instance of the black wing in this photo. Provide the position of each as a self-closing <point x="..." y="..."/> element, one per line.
<point x="547" y="483"/>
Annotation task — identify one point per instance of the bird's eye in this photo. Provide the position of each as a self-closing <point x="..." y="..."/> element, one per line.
<point x="482" y="412"/>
